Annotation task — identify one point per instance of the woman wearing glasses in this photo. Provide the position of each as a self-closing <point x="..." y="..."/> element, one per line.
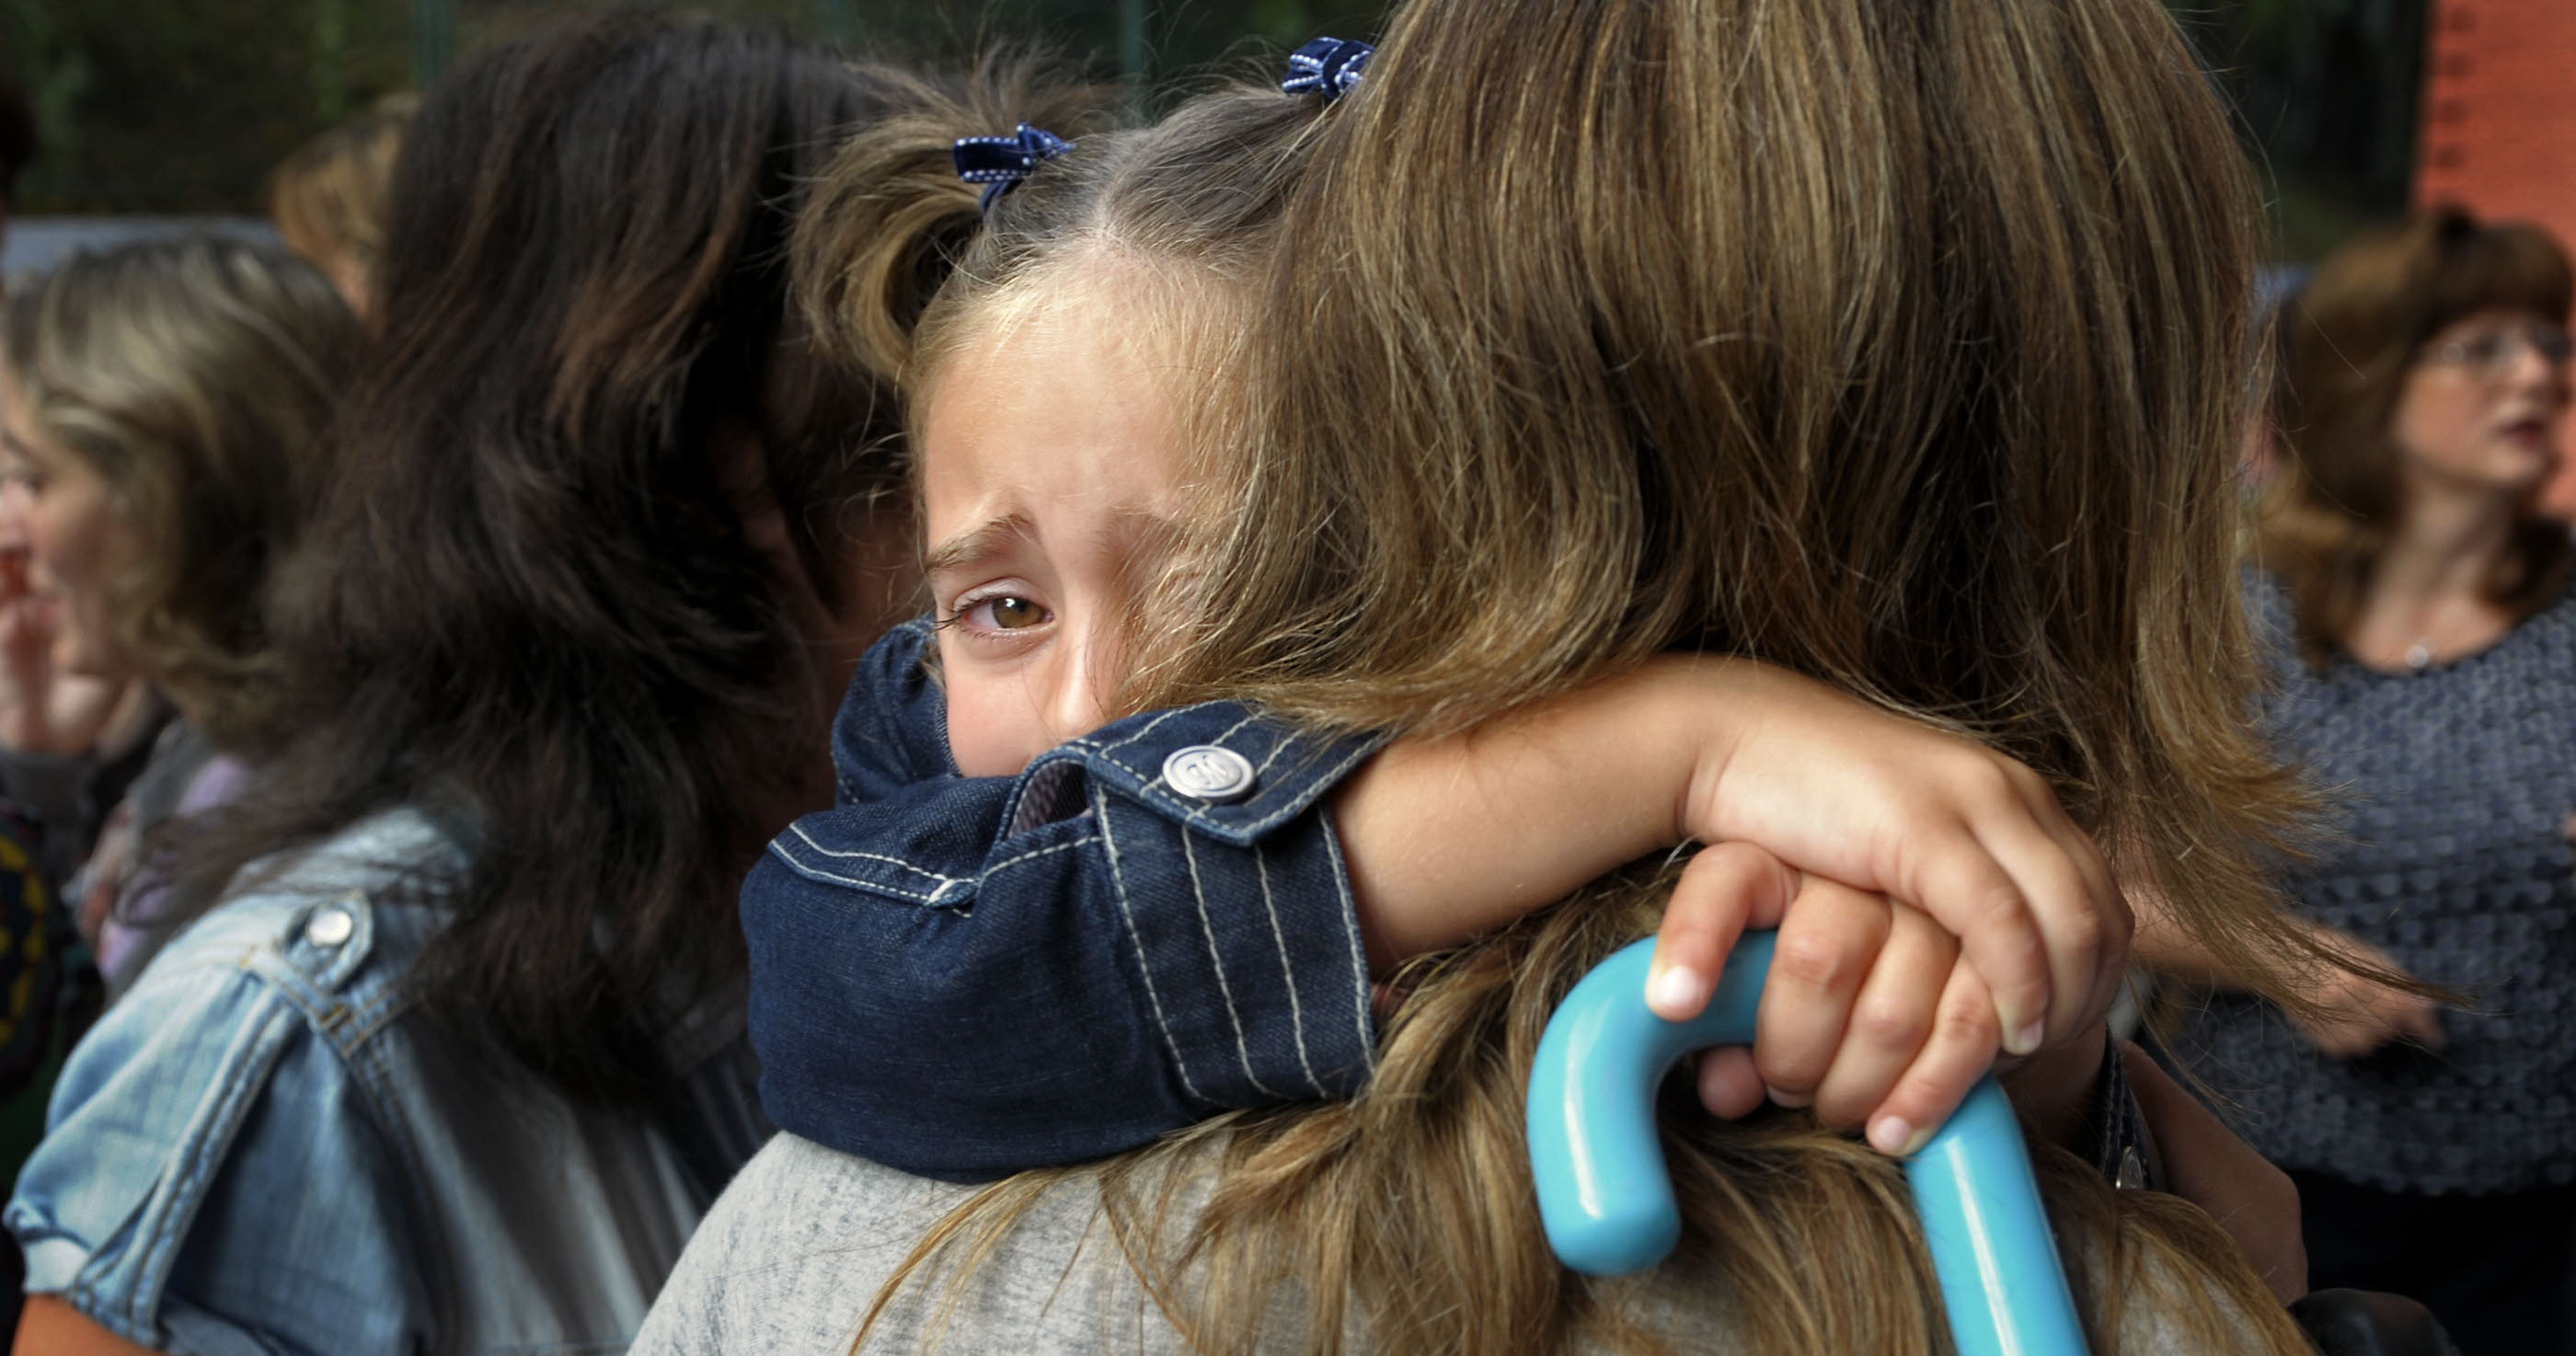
<point x="2424" y="638"/>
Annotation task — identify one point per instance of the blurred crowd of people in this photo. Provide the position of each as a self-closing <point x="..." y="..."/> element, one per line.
<point x="750" y="701"/>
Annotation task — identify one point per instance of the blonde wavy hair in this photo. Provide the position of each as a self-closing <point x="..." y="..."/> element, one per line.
<point x="1905" y="346"/>
<point x="197" y="377"/>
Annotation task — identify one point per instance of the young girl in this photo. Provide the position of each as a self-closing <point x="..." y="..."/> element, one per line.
<point x="1586" y="341"/>
<point x="1120" y="935"/>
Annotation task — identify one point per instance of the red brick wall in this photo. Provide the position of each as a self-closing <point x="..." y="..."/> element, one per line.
<point x="2499" y="132"/>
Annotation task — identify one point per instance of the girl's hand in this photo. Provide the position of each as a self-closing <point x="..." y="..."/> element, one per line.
<point x="1840" y="789"/>
<point x="1869" y="1016"/>
<point x="2357" y="1016"/>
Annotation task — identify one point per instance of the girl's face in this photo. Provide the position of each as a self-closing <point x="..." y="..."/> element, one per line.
<point x="1052" y="488"/>
<point x="2481" y="405"/>
<point x="58" y="510"/>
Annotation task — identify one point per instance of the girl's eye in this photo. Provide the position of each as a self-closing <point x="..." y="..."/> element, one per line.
<point x="995" y="612"/>
<point x="1010" y="614"/>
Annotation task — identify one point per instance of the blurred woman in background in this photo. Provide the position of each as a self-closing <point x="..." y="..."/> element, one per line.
<point x="2425" y="643"/>
<point x="329" y="199"/>
<point x="457" y="1065"/>
<point x="163" y="409"/>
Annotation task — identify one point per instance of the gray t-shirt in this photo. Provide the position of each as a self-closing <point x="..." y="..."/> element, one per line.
<point x="797" y="1249"/>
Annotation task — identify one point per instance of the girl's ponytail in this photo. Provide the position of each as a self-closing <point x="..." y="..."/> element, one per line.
<point x="890" y="218"/>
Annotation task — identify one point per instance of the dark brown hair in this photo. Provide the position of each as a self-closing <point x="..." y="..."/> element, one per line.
<point x="197" y="377"/>
<point x="533" y="601"/>
<point x="2346" y="342"/>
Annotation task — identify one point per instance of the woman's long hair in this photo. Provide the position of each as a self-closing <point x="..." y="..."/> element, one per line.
<point x="1901" y="345"/>
<point x="197" y="377"/>
<point x="535" y="601"/>
<point x="2347" y="341"/>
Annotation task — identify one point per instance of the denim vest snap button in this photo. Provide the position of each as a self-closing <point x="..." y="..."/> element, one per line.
<point x="1209" y="773"/>
<point x="329" y="927"/>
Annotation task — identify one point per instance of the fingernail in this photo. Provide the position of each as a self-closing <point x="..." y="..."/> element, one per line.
<point x="1791" y="1100"/>
<point x="1891" y="1136"/>
<point x="1679" y="990"/>
<point x="2024" y="1041"/>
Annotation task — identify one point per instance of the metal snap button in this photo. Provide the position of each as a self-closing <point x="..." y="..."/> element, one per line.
<point x="1209" y="773"/>
<point x="329" y="927"/>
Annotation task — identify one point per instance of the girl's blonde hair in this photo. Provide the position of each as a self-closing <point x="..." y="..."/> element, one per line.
<point x="1173" y="220"/>
<point x="197" y="377"/>
<point x="1901" y="345"/>
<point x="2347" y="341"/>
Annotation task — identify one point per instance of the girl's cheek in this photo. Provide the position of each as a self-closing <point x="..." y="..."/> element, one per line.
<point x="993" y="727"/>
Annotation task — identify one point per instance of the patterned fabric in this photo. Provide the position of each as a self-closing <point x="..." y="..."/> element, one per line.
<point x="2450" y="794"/>
<point x="36" y="945"/>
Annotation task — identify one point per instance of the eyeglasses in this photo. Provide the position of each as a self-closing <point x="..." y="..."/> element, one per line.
<point x="2494" y="353"/>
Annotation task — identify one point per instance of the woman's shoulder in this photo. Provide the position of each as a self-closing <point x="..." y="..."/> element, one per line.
<point x="229" y="1070"/>
<point x="795" y="1254"/>
<point x="792" y="1253"/>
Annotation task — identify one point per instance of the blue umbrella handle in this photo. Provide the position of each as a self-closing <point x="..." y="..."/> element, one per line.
<point x="1606" y="1196"/>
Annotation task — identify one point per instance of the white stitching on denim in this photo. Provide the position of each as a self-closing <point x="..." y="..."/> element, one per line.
<point x="1359" y="951"/>
<point x="1277" y="749"/>
<point x="1118" y="885"/>
<point x="799" y="831"/>
<point x="1149" y="727"/>
<point x="1287" y="972"/>
<point x="813" y="872"/>
<point x="1216" y="961"/>
<point x="996" y="867"/>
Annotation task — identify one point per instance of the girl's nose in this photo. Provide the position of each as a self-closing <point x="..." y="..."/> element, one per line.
<point x="1080" y="702"/>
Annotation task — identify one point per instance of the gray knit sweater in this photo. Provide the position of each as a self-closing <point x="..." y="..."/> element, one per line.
<point x="2450" y="792"/>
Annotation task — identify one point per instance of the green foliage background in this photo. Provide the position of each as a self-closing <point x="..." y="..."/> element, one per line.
<point x="183" y="105"/>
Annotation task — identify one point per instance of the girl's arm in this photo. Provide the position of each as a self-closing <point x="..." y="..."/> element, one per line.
<point x="1876" y="1015"/>
<point x="1448" y="838"/>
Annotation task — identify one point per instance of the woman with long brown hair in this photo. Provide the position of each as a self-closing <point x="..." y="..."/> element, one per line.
<point x="447" y="1055"/>
<point x="1904" y="349"/>
<point x="2424" y="641"/>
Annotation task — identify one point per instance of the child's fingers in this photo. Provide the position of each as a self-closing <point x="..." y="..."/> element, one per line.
<point x="1967" y="891"/>
<point x="1828" y="943"/>
<point x="2100" y="885"/>
<point x="1725" y="889"/>
<point x="1960" y="1049"/>
<point x="1891" y="1018"/>
<point x="1728" y="1084"/>
<point x="2084" y="927"/>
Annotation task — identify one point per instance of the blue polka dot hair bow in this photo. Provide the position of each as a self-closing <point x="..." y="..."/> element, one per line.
<point x="999" y="162"/>
<point x="1327" y="66"/>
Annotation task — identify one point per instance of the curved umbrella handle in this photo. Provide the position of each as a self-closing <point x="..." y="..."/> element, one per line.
<point x="1606" y="1197"/>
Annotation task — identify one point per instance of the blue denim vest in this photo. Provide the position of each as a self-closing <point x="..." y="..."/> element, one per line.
<point x="267" y="1146"/>
<point x="963" y="977"/>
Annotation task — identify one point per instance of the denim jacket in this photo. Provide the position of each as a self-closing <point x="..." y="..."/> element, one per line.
<point x="268" y="1147"/>
<point x="962" y="977"/>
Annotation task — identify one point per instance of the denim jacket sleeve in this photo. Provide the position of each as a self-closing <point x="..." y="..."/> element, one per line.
<point x="964" y="977"/>
<point x="204" y="1103"/>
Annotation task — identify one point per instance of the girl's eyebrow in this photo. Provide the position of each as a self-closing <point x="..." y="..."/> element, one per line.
<point x="981" y="542"/>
